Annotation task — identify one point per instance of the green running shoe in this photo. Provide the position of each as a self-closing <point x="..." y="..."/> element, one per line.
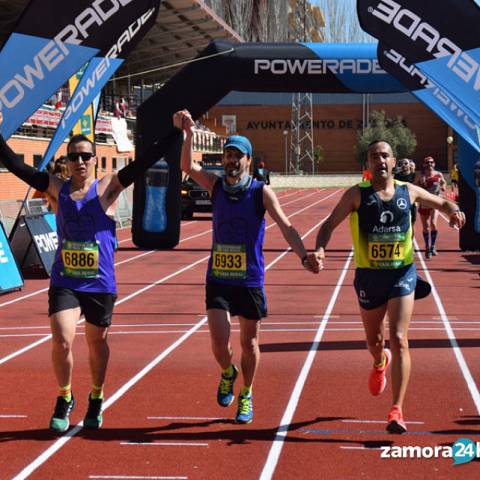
<point x="94" y="418"/>
<point x="225" y="394"/>
<point x="245" y="409"/>
<point x="60" y="422"/>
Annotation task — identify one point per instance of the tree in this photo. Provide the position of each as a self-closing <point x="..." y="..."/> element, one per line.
<point x="393" y="131"/>
<point x="341" y="22"/>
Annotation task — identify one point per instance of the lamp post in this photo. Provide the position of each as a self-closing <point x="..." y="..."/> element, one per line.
<point x="285" y="136"/>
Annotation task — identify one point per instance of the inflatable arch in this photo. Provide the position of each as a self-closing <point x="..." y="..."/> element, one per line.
<point x="221" y="68"/>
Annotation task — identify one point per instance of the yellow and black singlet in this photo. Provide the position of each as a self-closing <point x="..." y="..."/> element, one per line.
<point x="382" y="231"/>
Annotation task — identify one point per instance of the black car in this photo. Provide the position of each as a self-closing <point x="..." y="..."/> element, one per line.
<point x="195" y="198"/>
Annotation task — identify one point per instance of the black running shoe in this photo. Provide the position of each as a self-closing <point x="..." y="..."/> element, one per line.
<point x="94" y="418"/>
<point x="59" y="421"/>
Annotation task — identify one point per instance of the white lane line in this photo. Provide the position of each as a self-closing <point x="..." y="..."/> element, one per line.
<point x="58" y="444"/>
<point x="185" y="418"/>
<point x="13" y="416"/>
<point x="137" y="292"/>
<point x="166" y="444"/>
<point x="276" y="448"/>
<point x="124" y="299"/>
<point x="135" y="477"/>
<point x="37" y="292"/>
<point x="378" y="421"/>
<point x="266" y="330"/>
<point x="472" y="387"/>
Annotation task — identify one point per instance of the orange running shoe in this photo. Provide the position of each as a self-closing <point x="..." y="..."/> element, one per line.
<point x="395" y="422"/>
<point x="377" y="381"/>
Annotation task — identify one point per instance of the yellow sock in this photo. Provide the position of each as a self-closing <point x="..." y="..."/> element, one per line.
<point x="97" y="392"/>
<point x="382" y="363"/>
<point x="246" y="391"/>
<point x="228" y="372"/>
<point x="65" y="392"/>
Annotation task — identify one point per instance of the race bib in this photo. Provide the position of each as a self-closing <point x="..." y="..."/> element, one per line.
<point x="386" y="250"/>
<point x="80" y="259"/>
<point x="229" y="261"/>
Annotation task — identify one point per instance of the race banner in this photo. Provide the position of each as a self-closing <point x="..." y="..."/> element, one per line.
<point x="98" y="71"/>
<point x="10" y="277"/>
<point x="440" y="39"/>
<point x="40" y="56"/>
<point x="85" y="125"/>
<point x="432" y="95"/>
<point x="34" y="242"/>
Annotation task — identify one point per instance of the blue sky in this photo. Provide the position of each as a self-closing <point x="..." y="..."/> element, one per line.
<point x="351" y="4"/>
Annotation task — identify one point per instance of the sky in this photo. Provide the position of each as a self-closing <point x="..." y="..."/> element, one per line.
<point x="351" y="4"/>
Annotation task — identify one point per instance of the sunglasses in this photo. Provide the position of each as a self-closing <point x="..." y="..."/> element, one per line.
<point x="85" y="156"/>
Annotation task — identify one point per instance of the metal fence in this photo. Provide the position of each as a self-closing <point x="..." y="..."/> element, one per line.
<point x="9" y="209"/>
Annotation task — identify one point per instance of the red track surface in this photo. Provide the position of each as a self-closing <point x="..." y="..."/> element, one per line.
<point x="314" y="417"/>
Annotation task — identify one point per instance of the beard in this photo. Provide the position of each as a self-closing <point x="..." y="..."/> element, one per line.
<point x="232" y="171"/>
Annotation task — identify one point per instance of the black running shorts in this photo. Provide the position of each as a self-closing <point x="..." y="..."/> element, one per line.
<point x="247" y="302"/>
<point x="96" y="307"/>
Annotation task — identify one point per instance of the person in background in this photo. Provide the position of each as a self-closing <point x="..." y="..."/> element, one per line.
<point x="434" y="182"/>
<point x="404" y="172"/>
<point x="454" y="180"/>
<point x="262" y="174"/>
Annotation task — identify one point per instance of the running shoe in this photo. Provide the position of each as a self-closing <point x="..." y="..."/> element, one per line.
<point x="59" y="421"/>
<point x="428" y="253"/>
<point x="433" y="251"/>
<point x="395" y="422"/>
<point x="94" y="418"/>
<point x="225" y="394"/>
<point x="245" y="409"/>
<point x="377" y="381"/>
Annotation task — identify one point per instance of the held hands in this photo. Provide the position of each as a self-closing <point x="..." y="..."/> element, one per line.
<point x="314" y="261"/>
<point x="457" y="219"/>
<point x="184" y="121"/>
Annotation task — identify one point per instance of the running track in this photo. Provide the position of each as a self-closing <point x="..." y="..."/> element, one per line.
<point x="314" y="417"/>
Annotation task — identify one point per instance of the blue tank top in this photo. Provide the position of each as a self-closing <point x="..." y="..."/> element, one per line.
<point x="86" y="236"/>
<point x="238" y="231"/>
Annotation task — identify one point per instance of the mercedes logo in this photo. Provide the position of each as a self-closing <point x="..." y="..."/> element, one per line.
<point x="402" y="203"/>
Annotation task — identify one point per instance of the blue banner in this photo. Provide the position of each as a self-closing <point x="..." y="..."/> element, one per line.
<point x="10" y="278"/>
<point x="54" y="38"/>
<point x="97" y="74"/>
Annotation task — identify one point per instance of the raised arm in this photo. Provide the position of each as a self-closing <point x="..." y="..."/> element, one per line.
<point x="183" y="121"/>
<point x="41" y="181"/>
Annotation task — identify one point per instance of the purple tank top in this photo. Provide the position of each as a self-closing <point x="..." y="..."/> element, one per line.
<point x="86" y="239"/>
<point x="238" y="231"/>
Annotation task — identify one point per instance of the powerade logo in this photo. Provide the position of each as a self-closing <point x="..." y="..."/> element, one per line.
<point x="415" y="29"/>
<point x="46" y="242"/>
<point x="438" y="93"/>
<point x="462" y="451"/>
<point x="97" y="76"/>
<point x="55" y="51"/>
<point x="363" y="66"/>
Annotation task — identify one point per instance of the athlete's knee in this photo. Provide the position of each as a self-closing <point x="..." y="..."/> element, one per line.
<point x="249" y="345"/>
<point x="61" y="345"/>
<point x="399" y="341"/>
